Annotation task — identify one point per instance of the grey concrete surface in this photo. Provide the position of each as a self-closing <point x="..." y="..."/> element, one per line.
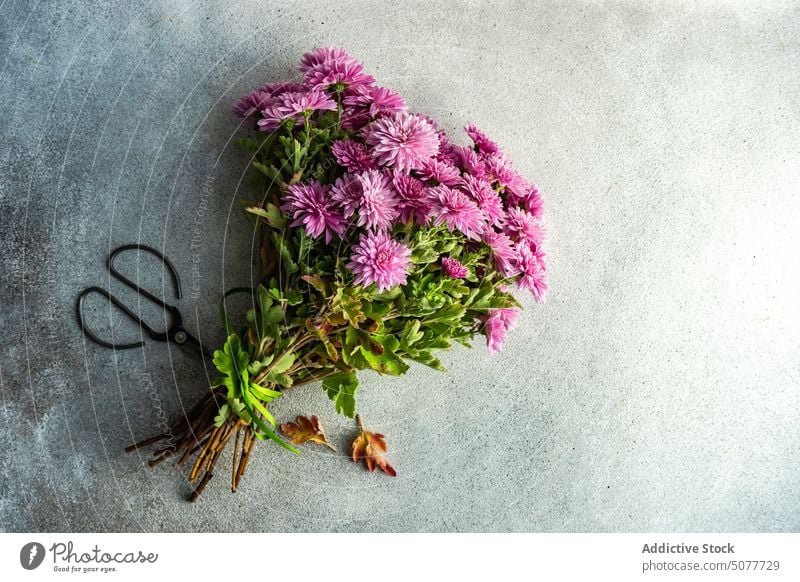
<point x="656" y="390"/>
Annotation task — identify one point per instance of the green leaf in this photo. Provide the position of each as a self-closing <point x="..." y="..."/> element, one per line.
<point x="251" y="403"/>
<point x="271" y="214"/>
<point x="257" y="366"/>
<point x="317" y="283"/>
<point x="341" y="388"/>
<point x="272" y="315"/>
<point x="231" y="362"/>
<point x="411" y="333"/>
<point x="480" y="297"/>
<point x="389" y="342"/>
<point x="247" y="144"/>
<point x="387" y="295"/>
<point x="283" y="363"/>
<point x="386" y="363"/>
<point x="288" y="263"/>
<point x="376" y="310"/>
<point x="262" y="393"/>
<point x="222" y="416"/>
<point x="351" y="353"/>
<point x="449" y="313"/>
<point x="425" y="357"/>
<point x="237" y="406"/>
<point x="348" y="303"/>
<point x="280" y="379"/>
<point x="327" y="346"/>
<point x="269" y="171"/>
<point x="293" y="297"/>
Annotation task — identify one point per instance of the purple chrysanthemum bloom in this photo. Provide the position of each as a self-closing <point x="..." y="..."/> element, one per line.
<point x="452" y="268"/>
<point x="354" y="118"/>
<point x="251" y="102"/>
<point x="497" y="324"/>
<point x="469" y="161"/>
<point x="377" y="207"/>
<point x="352" y="155"/>
<point x="322" y="55"/>
<point x="483" y="144"/>
<point x="276" y="89"/>
<point x="403" y="141"/>
<point x="533" y="202"/>
<point x="533" y="276"/>
<point x="328" y="66"/>
<point x="412" y="204"/>
<point x="379" y="259"/>
<point x="445" y="153"/>
<point x="294" y="106"/>
<point x="521" y="226"/>
<point x="487" y="198"/>
<point x="507" y="177"/>
<point x="503" y="251"/>
<point x="346" y="192"/>
<point x="439" y="172"/>
<point x="455" y="209"/>
<point x="433" y="123"/>
<point x="375" y="100"/>
<point x="541" y="258"/>
<point x="310" y="205"/>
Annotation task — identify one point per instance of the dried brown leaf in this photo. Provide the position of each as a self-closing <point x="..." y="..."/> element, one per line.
<point x="305" y="429"/>
<point x="371" y="448"/>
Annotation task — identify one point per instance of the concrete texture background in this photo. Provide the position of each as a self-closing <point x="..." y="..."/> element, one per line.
<point x="658" y="388"/>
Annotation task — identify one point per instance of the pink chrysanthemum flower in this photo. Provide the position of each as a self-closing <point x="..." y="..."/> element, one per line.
<point x="497" y="324"/>
<point x="379" y="259"/>
<point x="354" y="118"/>
<point x="378" y="206"/>
<point x="346" y="192"/>
<point x="455" y="209"/>
<point x="310" y="205"/>
<point x="469" y="161"/>
<point x="533" y="202"/>
<point x="440" y="172"/>
<point x="276" y="89"/>
<point x="503" y="251"/>
<point x="294" y="106"/>
<point x="541" y="258"/>
<point x="452" y="268"/>
<point x="251" y="102"/>
<point x="434" y="124"/>
<point x="488" y="199"/>
<point x="533" y="276"/>
<point x="403" y="141"/>
<point x="507" y="177"/>
<point x="412" y="204"/>
<point x="322" y="55"/>
<point x="375" y="100"/>
<point x="483" y="144"/>
<point x="352" y="155"/>
<point x="445" y="153"/>
<point x="328" y="66"/>
<point x="521" y="226"/>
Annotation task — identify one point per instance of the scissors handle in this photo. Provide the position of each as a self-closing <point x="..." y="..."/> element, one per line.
<point x="122" y="307"/>
<point x="176" y="332"/>
<point x="155" y="252"/>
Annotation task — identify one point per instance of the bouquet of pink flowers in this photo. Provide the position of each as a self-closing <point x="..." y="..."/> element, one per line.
<point x="381" y="242"/>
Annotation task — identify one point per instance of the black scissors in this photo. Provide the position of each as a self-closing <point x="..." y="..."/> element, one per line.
<point x="176" y="332"/>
